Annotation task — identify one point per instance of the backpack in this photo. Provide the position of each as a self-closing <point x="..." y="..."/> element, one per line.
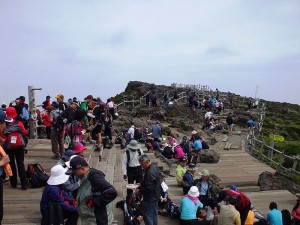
<point x="25" y="114"/>
<point x="128" y="156"/>
<point x="53" y="214"/>
<point x="286" y="217"/>
<point x="192" y="158"/>
<point x="14" y="136"/>
<point x="168" y="153"/>
<point x="106" y="143"/>
<point x="36" y="175"/>
<point x="173" y="210"/>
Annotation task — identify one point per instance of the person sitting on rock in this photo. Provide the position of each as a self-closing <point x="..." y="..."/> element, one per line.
<point x="194" y="136"/>
<point x="172" y="140"/>
<point x="206" y="188"/>
<point x="167" y="151"/>
<point x="164" y="196"/>
<point x="180" y="170"/>
<point x="188" y="178"/>
<point x="274" y="216"/>
<point x="197" y="145"/>
<point x="178" y="151"/>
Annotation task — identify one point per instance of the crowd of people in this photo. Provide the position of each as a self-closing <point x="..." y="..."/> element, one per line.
<point x="77" y="191"/>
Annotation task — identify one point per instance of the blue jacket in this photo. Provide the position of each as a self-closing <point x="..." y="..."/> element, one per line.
<point x="156" y="131"/>
<point x="53" y="193"/>
<point x="197" y="145"/>
<point x="188" y="177"/>
<point x="189" y="209"/>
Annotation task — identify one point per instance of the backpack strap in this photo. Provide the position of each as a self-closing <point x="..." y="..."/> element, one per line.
<point x="40" y="167"/>
<point x="139" y="151"/>
<point x="128" y="157"/>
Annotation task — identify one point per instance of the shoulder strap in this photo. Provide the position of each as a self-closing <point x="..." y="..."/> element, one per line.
<point x="128" y="157"/>
<point x="139" y="151"/>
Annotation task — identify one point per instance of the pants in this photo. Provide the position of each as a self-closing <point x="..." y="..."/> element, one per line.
<point x="101" y="215"/>
<point x="17" y="156"/>
<point x="150" y="212"/>
<point x="244" y="214"/>
<point x="1" y="200"/>
<point x="206" y="201"/>
<point x="134" y="174"/>
<point x="48" y="132"/>
<point x="57" y="142"/>
<point x="71" y="218"/>
<point x="194" y="222"/>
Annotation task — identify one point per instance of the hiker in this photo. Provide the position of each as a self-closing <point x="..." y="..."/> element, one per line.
<point x="218" y="94"/>
<point x="130" y="133"/>
<point x="147" y="96"/>
<point x="164" y="196"/>
<point x="79" y="149"/>
<point x="108" y="132"/>
<point x="194" y="135"/>
<point x="153" y="100"/>
<point x="45" y="116"/>
<point x="188" y="178"/>
<point x="57" y="132"/>
<point x="228" y="214"/>
<point x="65" y="158"/>
<point x="243" y="205"/>
<point x="189" y="206"/>
<point x="54" y="193"/>
<point x="22" y="111"/>
<point x="3" y="106"/>
<point x="167" y="151"/>
<point x="181" y="170"/>
<point x="84" y="105"/>
<point x="15" y="148"/>
<point x="3" y="160"/>
<point x="47" y="104"/>
<point x="131" y="166"/>
<point x="251" y="123"/>
<point x="250" y="217"/>
<point x="178" y="151"/>
<point x="94" y="193"/>
<point x="111" y="107"/>
<point x="197" y="145"/>
<point x="208" y="115"/>
<point x="206" y="188"/>
<point x="62" y="105"/>
<point x="172" y="141"/>
<point x="274" y="216"/>
<point x="296" y="212"/>
<point x="229" y="121"/>
<point x="150" y="190"/>
<point x="156" y="131"/>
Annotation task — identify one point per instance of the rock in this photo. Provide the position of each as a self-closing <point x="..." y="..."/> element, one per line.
<point x="213" y="141"/>
<point x="214" y="178"/>
<point x="269" y="181"/>
<point x="208" y="156"/>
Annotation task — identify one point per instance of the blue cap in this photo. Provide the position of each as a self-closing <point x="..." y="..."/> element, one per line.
<point x="3" y="117"/>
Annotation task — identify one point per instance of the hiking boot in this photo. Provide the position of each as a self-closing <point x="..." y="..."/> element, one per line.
<point x="5" y="179"/>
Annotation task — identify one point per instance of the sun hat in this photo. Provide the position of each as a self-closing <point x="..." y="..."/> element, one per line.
<point x="79" y="147"/>
<point x="4" y="118"/>
<point x="67" y="155"/>
<point x="192" y="167"/>
<point x="204" y="173"/>
<point x="194" y="192"/>
<point x="194" y="132"/>
<point x="58" y="175"/>
<point x="134" y="145"/>
<point x="11" y="112"/>
<point x="61" y="96"/>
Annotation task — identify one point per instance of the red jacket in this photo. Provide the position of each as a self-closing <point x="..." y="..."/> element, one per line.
<point x="21" y="125"/>
<point x="244" y="200"/>
<point x="46" y="118"/>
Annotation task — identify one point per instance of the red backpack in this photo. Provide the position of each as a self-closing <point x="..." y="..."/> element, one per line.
<point x="14" y="136"/>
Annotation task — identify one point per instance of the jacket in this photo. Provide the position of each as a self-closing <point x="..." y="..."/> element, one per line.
<point x="243" y="202"/>
<point x="54" y="193"/>
<point x="210" y="192"/>
<point x="150" y="187"/>
<point x="93" y="186"/>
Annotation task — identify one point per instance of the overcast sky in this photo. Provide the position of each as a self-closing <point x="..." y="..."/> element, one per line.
<point x="95" y="47"/>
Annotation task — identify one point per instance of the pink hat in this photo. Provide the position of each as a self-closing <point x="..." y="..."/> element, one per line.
<point x="11" y="112"/>
<point x="79" y="147"/>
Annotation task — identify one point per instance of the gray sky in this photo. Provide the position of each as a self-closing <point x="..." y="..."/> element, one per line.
<point x="96" y="47"/>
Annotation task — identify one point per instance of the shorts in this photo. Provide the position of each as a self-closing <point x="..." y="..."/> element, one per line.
<point x="98" y="129"/>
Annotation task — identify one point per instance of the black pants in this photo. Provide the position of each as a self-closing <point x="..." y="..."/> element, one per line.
<point x="71" y="218"/>
<point x="48" y="132"/>
<point x="244" y="214"/>
<point x="17" y="156"/>
<point x="134" y="174"/>
<point x="101" y="215"/>
<point x="206" y="201"/>
<point x="194" y="222"/>
<point x="1" y="200"/>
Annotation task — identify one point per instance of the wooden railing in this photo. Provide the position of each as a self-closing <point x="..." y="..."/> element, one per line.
<point x="274" y="157"/>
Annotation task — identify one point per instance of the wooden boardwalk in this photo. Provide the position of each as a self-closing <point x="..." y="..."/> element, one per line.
<point x="235" y="167"/>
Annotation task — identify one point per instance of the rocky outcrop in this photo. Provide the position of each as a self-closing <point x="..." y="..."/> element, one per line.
<point x="208" y="156"/>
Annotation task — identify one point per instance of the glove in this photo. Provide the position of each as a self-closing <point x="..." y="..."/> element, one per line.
<point x="125" y="177"/>
<point x="89" y="203"/>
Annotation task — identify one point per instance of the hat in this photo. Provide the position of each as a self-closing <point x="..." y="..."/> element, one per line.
<point x="76" y="163"/>
<point x="233" y="187"/>
<point x="58" y="175"/>
<point x="166" y="145"/>
<point x="192" y="167"/>
<point x="67" y="163"/>
<point x="79" y="147"/>
<point x="66" y="156"/>
<point x="55" y="104"/>
<point x="75" y="102"/>
<point x="204" y="173"/>
<point x="184" y="159"/>
<point x="3" y="103"/>
<point x="22" y="98"/>
<point x="194" y="192"/>
<point x="48" y="96"/>
<point x="3" y="117"/>
<point x="59" y="96"/>
<point x="222" y="195"/>
<point x="194" y="132"/>
<point x="134" y="145"/>
<point x="11" y="112"/>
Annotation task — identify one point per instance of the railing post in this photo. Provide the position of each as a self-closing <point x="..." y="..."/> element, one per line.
<point x="295" y="163"/>
<point x="270" y="155"/>
<point x="281" y="159"/>
<point x="262" y="147"/>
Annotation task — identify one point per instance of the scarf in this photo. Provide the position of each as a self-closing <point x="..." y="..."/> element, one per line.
<point x="194" y="199"/>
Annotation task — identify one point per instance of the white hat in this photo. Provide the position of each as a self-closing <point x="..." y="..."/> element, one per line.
<point x="194" y="192"/>
<point x="204" y="173"/>
<point x="58" y="175"/>
<point x="68" y="162"/>
<point x="194" y="132"/>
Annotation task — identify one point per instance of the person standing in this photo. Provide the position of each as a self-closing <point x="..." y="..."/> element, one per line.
<point x="131" y="166"/>
<point x="229" y="121"/>
<point x="47" y="122"/>
<point x="274" y="216"/>
<point x="94" y="193"/>
<point x="150" y="190"/>
<point x="156" y="131"/>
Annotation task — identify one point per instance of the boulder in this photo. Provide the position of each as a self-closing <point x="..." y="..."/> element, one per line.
<point x="269" y="181"/>
<point x="208" y="156"/>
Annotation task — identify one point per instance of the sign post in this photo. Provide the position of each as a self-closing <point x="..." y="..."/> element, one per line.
<point x="32" y="110"/>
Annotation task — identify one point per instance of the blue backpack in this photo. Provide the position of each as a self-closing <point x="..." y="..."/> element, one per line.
<point x="173" y="210"/>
